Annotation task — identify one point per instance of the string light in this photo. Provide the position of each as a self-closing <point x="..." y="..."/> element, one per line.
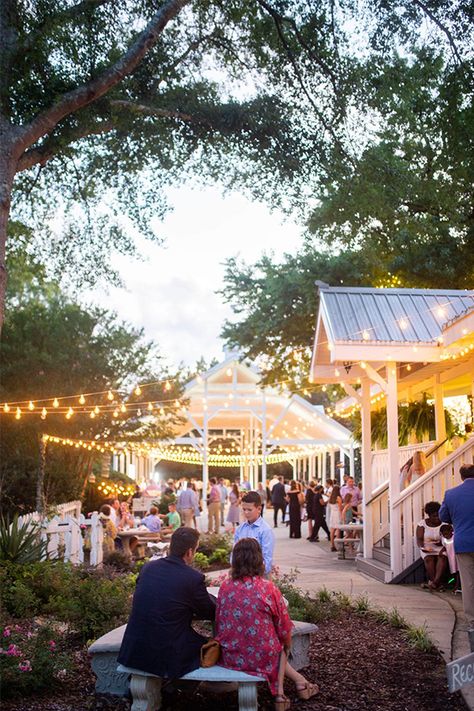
<point x="82" y="400"/>
<point x="138" y="390"/>
<point x="55" y="402"/>
<point x="44" y="412"/>
<point x="110" y="395"/>
<point x="18" y="413"/>
<point x="6" y="407"/>
<point x="30" y="406"/>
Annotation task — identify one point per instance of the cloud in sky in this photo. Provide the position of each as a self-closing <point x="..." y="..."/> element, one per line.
<point x="172" y="294"/>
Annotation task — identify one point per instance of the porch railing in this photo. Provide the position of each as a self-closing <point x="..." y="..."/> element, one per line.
<point x="380" y="461"/>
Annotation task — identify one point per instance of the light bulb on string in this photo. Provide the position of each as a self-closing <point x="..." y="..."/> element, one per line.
<point x="115" y="413"/>
<point x="31" y="406"/>
<point x="138" y="390"/>
<point x="96" y="409"/>
<point x="162" y="412"/>
<point x="82" y="400"/>
<point x="17" y="413"/>
<point x="6" y="407"/>
<point x="44" y="412"/>
<point x="150" y="407"/>
<point x="110" y="395"/>
<point x="168" y="385"/>
<point x="55" y="402"/>
<point x="92" y="415"/>
<point x="123" y="408"/>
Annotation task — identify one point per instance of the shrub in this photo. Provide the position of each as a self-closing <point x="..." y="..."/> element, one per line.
<point x="118" y="560"/>
<point x="211" y="542"/>
<point x="95" y="603"/>
<point x="30" y="659"/>
<point x="20" y="543"/>
<point x="201" y="561"/>
<point x="220" y="555"/>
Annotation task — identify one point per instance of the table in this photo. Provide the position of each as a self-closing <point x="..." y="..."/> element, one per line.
<point x="355" y="528"/>
<point x="143" y="535"/>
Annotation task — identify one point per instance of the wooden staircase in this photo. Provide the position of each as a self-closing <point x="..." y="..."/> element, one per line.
<point x="401" y="562"/>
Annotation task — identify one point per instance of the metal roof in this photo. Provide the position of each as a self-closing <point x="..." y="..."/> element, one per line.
<point x="357" y="314"/>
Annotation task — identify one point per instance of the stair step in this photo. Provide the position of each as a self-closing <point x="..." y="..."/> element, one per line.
<point x="374" y="569"/>
<point x="381" y="554"/>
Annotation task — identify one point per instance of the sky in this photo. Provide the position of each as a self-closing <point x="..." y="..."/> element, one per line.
<point x="172" y="293"/>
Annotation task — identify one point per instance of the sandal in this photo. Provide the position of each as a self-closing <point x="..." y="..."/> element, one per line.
<point x="307" y="691"/>
<point x="281" y="702"/>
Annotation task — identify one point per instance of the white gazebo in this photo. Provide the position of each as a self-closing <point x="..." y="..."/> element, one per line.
<point x="233" y="420"/>
<point x="386" y="347"/>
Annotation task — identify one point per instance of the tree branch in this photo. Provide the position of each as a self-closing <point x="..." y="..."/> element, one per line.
<point x="156" y="111"/>
<point x="54" y="144"/>
<point x="94" y="89"/>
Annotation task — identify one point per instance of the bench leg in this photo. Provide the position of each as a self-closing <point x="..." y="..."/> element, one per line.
<point x="247" y="696"/>
<point x="146" y="693"/>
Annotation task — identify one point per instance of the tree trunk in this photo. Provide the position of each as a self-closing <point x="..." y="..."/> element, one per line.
<point x="8" y="163"/>
<point x="40" y="503"/>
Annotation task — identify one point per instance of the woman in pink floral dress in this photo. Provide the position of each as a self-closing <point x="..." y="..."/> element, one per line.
<point x="253" y="625"/>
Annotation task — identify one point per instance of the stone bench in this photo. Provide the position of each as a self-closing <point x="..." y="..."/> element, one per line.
<point x="352" y="543"/>
<point x="145" y="688"/>
<point x="113" y="679"/>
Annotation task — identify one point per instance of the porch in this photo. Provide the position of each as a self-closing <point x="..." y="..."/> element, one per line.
<point x="388" y="348"/>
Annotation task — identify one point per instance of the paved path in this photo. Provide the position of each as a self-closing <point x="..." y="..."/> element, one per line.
<point x="317" y="567"/>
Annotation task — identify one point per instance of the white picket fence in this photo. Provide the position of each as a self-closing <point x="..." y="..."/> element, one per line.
<point x="69" y="532"/>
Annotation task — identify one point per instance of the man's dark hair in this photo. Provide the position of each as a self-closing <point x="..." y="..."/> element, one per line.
<point x="105" y="509"/>
<point x="182" y="540"/>
<point x="467" y="471"/>
<point x="213" y="480"/>
<point x="153" y="510"/>
<point x="247" y="559"/>
<point x="432" y="507"/>
<point x="252" y="497"/>
<point x="280" y="478"/>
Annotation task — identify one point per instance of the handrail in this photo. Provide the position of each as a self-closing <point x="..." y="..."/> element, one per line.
<point x="433" y="471"/>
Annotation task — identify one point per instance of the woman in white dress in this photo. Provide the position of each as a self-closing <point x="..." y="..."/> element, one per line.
<point x="428" y="538"/>
<point x="334" y="509"/>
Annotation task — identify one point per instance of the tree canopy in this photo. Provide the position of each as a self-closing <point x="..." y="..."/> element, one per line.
<point x="52" y="346"/>
<point x="101" y="108"/>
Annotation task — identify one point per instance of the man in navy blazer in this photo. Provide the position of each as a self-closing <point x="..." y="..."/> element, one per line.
<point x="458" y="509"/>
<point x="159" y="638"/>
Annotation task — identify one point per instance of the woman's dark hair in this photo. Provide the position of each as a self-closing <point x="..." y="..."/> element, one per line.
<point x="105" y="509"/>
<point x="213" y="480"/>
<point x="432" y="507"/>
<point x="329" y="482"/>
<point x="294" y="484"/>
<point x="235" y="489"/>
<point x="252" y="497"/>
<point x="336" y="491"/>
<point x="247" y="559"/>
<point x="182" y="540"/>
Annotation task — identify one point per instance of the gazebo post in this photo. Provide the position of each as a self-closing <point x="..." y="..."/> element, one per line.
<point x="394" y="473"/>
<point x="440" y="421"/>
<point x="264" y="439"/>
<point x="342" y="470"/>
<point x="205" y="466"/>
<point x="324" y="475"/>
<point x="332" y="460"/>
<point x="351" y="461"/>
<point x="366" y="467"/>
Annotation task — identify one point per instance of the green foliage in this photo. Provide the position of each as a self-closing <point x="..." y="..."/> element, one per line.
<point x="210" y="543"/>
<point x="91" y="601"/>
<point x="31" y="660"/>
<point x="164" y="501"/>
<point x="53" y="345"/>
<point x="201" y="561"/>
<point x="419" y="638"/>
<point x="119" y="560"/>
<point x="20" y="543"/>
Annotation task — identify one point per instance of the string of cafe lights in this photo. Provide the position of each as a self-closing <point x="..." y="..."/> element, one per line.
<point x="117" y="405"/>
<point x="176" y="453"/>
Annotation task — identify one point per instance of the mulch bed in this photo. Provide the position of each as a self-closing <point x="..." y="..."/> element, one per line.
<point x="360" y="665"/>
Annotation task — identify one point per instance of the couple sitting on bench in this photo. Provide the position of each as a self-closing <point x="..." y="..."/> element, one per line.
<point x="252" y="622"/>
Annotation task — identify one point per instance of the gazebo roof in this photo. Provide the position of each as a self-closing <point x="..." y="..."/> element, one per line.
<point x="230" y="393"/>
<point x="378" y="325"/>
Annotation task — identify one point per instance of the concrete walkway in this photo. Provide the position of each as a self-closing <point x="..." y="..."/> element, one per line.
<point x="317" y="567"/>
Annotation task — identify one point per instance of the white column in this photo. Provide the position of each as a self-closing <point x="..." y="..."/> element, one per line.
<point x="393" y="464"/>
<point x="264" y="439"/>
<point x="351" y="461"/>
<point x="332" y="464"/>
<point x="440" y="422"/>
<point x="324" y="469"/>
<point x="366" y="464"/>
<point x="205" y="465"/>
<point x="342" y="470"/>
